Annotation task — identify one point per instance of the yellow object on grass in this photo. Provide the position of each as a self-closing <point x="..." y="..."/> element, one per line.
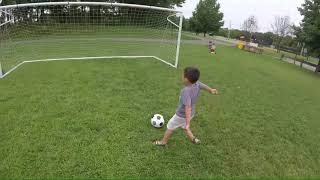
<point x="240" y="45"/>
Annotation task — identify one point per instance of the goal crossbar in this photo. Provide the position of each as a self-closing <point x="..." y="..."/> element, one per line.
<point x="89" y="3"/>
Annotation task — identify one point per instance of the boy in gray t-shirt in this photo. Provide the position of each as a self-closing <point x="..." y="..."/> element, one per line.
<point x="186" y="108"/>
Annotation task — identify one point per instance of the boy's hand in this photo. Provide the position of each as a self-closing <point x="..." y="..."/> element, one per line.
<point x="214" y="91"/>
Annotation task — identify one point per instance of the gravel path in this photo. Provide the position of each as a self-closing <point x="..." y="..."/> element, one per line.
<point x="205" y="40"/>
<point x="306" y="66"/>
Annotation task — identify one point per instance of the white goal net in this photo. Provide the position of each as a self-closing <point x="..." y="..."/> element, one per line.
<point x="87" y="30"/>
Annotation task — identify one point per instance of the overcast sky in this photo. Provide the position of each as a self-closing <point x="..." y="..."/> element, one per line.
<point x="237" y="11"/>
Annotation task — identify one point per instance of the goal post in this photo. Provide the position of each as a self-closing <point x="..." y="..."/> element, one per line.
<point x="179" y="41"/>
<point x="37" y="32"/>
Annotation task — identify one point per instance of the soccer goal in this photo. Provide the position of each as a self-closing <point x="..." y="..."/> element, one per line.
<point x="54" y="31"/>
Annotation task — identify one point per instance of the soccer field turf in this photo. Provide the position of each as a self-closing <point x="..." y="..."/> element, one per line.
<point x="91" y="119"/>
<point x="89" y="44"/>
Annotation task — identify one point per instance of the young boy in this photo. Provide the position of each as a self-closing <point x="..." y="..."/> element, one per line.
<point x="186" y="109"/>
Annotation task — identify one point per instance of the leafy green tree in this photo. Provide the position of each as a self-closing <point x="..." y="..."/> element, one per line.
<point x="309" y="32"/>
<point x="195" y="25"/>
<point x="186" y="24"/>
<point x="207" y="17"/>
<point x="223" y="32"/>
<point x="265" y="39"/>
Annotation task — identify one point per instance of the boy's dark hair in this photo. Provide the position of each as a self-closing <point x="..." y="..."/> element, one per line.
<point x="192" y="74"/>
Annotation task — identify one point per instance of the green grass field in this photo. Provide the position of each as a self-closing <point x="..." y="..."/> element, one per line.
<point x="85" y="42"/>
<point x="91" y="119"/>
<point x="266" y="50"/>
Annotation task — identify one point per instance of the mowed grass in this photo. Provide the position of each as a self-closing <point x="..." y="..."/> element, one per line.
<point x="27" y="32"/>
<point x="61" y="41"/>
<point x="91" y="119"/>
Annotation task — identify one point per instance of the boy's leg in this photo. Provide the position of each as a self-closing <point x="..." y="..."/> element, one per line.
<point x="189" y="134"/>
<point x="192" y="138"/>
<point x="167" y="136"/>
<point x="171" y="126"/>
<point x="174" y="123"/>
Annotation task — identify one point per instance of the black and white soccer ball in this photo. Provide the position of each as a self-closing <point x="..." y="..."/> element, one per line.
<point x="157" y="121"/>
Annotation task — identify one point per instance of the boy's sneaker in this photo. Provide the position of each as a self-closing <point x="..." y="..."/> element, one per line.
<point x="196" y="141"/>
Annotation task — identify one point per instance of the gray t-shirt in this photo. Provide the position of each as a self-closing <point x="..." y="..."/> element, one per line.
<point x="188" y="97"/>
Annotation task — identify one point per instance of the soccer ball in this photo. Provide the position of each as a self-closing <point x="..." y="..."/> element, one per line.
<point x="157" y="121"/>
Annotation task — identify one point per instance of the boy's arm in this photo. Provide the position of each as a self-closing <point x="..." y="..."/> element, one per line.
<point x="188" y="110"/>
<point x="207" y="88"/>
<point x="186" y="101"/>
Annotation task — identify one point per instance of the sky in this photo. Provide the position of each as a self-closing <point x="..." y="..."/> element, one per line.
<point x="237" y="11"/>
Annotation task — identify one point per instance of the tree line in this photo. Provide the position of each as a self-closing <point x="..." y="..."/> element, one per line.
<point x="284" y="35"/>
<point x="206" y="18"/>
<point x="92" y="14"/>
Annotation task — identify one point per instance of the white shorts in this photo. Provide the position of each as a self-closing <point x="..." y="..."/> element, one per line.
<point x="176" y="122"/>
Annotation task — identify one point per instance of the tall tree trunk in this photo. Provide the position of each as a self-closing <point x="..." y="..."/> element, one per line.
<point x="278" y="46"/>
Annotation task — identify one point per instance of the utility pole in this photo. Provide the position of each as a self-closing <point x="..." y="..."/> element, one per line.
<point x="302" y="49"/>
<point x="229" y="30"/>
